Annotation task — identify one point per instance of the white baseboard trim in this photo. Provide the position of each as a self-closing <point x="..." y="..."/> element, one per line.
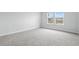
<point x="19" y="31"/>
<point x="66" y="30"/>
<point x="77" y="32"/>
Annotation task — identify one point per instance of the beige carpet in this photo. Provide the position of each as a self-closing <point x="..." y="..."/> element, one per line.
<point x="40" y="37"/>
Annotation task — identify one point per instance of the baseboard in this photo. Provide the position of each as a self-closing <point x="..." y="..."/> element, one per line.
<point x="75" y="32"/>
<point x="19" y="31"/>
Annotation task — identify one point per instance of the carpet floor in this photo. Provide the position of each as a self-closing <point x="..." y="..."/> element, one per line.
<point x="40" y="37"/>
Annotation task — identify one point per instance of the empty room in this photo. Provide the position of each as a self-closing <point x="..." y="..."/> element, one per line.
<point x="39" y="28"/>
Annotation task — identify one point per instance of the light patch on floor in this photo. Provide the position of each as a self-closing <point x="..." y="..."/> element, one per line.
<point x="40" y="37"/>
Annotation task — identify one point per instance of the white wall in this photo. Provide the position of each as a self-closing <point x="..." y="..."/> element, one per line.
<point x="12" y="22"/>
<point x="78" y="22"/>
<point x="70" y="22"/>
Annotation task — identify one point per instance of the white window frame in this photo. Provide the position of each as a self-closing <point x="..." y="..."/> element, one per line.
<point x="55" y="21"/>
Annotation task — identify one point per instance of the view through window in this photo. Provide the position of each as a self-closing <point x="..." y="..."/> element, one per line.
<point x="56" y="18"/>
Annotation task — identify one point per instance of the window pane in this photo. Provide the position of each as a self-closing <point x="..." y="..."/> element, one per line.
<point x="59" y="17"/>
<point x="59" y="21"/>
<point x="51" y="15"/>
<point x="51" y="19"/>
<point x="59" y="14"/>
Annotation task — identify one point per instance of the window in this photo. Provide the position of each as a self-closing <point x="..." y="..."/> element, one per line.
<point x="56" y="18"/>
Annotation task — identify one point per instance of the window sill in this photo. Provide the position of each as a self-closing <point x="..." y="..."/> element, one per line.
<point x="54" y="24"/>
